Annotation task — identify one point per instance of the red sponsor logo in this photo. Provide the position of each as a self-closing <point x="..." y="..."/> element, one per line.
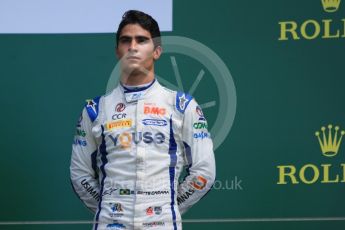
<point x="120" y="107"/>
<point x="199" y="111"/>
<point x="154" y="110"/>
<point x="149" y="211"/>
<point x="199" y="182"/>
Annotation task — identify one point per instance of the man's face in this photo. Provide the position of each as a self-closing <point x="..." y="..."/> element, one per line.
<point x="136" y="50"/>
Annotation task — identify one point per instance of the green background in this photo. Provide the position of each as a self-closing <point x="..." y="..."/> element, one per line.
<point x="286" y="90"/>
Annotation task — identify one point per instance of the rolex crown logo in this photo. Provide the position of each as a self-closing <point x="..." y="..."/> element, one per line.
<point x="330" y="5"/>
<point x="330" y="144"/>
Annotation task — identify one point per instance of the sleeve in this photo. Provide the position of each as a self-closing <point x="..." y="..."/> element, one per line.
<point x="83" y="167"/>
<point x="199" y="158"/>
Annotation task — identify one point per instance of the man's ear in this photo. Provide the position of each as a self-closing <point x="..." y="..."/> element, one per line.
<point x="157" y="53"/>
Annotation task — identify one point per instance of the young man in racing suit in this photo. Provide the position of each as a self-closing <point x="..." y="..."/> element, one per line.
<point x="131" y="145"/>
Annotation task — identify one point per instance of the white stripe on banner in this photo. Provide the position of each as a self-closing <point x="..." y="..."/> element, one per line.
<point x="189" y="221"/>
<point x="76" y="16"/>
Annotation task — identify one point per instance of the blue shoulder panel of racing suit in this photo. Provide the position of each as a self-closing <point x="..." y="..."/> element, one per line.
<point x="182" y="101"/>
<point x="92" y="107"/>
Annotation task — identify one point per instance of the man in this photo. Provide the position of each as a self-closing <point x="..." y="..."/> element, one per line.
<point x="132" y="144"/>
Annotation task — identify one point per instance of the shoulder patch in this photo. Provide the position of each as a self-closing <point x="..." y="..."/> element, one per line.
<point x="92" y="108"/>
<point x="182" y="101"/>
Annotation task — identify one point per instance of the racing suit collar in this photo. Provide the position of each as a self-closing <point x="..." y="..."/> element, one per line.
<point x="135" y="94"/>
<point x="137" y="88"/>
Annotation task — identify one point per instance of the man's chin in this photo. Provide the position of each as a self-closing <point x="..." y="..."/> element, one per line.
<point x="135" y="70"/>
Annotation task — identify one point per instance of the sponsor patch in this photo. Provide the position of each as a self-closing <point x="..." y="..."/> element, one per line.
<point x="92" y="108"/>
<point x="91" y="190"/>
<point x="150" y="193"/>
<point x="118" y="116"/>
<point x="157" y="210"/>
<point x="133" y="96"/>
<point x="154" y="110"/>
<point x="80" y="132"/>
<point x="126" y="139"/>
<point x="146" y="193"/>
<point x="199" y="182"/>
<point x="117" y="209"/>
<point x="201" y="135"/>
<point x="149" y="211"/>
<point x="108" y="192"/>
<point x="92" y="104"/>
<point x="182" y="101"/>
<point x="154" y="122"/>
<point x="125" y="192"/>
<point x="119" y="124"/>
<point x="79" y="142"/>
<point x="200" y="125"/>
<point x="120" y="107"/>
<point x="200" y="113"/>
<point x="116" y="226"/>
<point x="154" y="224"/>
<point x="185" y="196"/>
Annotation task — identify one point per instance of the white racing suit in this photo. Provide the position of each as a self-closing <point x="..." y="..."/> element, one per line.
<point x="129" y="149"/>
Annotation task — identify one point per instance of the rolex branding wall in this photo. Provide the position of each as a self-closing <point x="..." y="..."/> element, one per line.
<point x="281" y="147"/>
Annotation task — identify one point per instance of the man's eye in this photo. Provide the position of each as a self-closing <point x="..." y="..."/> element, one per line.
<point x="125" y="40"/>
<point x="142" y="40"/>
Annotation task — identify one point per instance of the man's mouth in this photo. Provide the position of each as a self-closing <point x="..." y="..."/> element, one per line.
<point x="132" y="58"/>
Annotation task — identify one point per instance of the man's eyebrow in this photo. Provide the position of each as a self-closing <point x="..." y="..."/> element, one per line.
<point x="125" y="36"/>
<point x="136" y="37"/>
<point x="142" y="37"/>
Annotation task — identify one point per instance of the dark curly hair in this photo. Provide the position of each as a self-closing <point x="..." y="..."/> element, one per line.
<point x="144" y="20"/>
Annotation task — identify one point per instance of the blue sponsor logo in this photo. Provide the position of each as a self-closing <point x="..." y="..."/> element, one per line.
<point x="80" y="142"/>
<point x="201" y="135"/>
<point x="116" y="207"/>
<point x="154" y="122"/>
<point x="116" y="226"/>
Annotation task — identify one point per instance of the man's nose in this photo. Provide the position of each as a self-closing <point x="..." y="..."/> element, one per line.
<point x="133" y="45"/>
